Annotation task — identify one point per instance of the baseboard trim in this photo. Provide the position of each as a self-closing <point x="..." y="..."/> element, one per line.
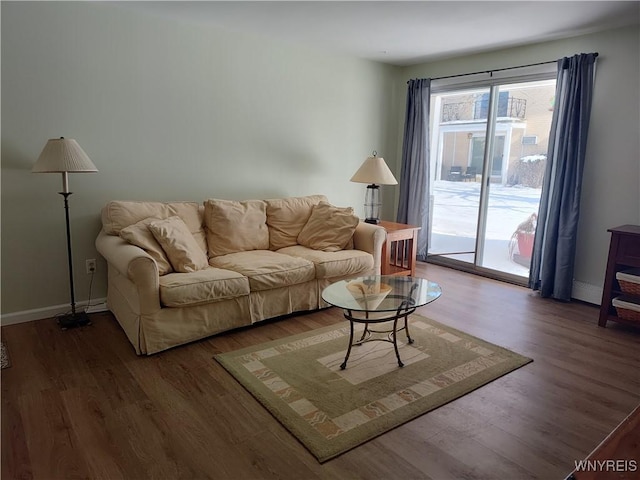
<point x="97" y="305"/>
<point x="587" y="293"/>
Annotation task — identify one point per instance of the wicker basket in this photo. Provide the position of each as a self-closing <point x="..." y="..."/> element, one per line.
<point x="627" y="308"/>
<point x="629" y="281"/>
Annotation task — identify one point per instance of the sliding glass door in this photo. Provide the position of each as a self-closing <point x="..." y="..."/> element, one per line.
<point x="488" y="153"/>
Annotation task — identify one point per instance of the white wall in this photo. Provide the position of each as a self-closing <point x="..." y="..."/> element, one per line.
<point x="167" y="111"/>
<point x="611" y="183"/>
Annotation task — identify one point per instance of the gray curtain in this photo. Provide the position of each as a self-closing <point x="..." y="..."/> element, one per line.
<point x="554" y="251"/>
<point x="413" y="207"/>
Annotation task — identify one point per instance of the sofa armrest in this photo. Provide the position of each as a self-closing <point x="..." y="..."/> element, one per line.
<point x="135" y="264"/>
<point x="370" y="238"/>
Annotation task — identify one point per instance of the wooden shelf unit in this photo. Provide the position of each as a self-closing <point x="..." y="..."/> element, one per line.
<point x="624" y="253"/>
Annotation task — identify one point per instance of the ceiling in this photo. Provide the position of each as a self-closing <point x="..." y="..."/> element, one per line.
<point x="399" y="32"/>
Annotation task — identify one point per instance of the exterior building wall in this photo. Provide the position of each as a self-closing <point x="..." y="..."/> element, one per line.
<point x="458" y="126"/>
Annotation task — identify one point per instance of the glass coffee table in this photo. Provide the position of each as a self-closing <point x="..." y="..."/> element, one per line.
<point x="378" y="299"/>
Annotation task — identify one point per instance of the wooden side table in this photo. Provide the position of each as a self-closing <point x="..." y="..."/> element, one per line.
<point x="400" y="248"/>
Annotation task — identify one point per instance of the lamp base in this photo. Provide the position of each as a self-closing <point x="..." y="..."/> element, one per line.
<point x="71" y="320"/>
<point x="375" y="221"/>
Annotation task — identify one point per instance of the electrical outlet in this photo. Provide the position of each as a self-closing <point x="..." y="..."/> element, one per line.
<point x="91" y="266"/>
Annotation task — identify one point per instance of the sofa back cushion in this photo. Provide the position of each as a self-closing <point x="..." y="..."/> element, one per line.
<point x="287" y="216"/>
<point x="329" y="228"/>
<point x="119" y="214"/>
<point x="233" y="226"/>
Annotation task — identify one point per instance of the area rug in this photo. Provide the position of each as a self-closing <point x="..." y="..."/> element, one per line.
<point x="298" y="379"/>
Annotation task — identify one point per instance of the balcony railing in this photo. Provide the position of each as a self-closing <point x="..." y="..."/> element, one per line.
<point x="510" y="108"/>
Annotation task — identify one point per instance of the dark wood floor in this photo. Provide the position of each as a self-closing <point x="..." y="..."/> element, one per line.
<point x="81" y="404"/>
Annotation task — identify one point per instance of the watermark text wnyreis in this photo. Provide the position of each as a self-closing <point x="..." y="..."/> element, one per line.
<point x="606" y="465"/>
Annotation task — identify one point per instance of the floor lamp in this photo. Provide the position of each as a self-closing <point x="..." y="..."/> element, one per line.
<point x="64" y="155"/>
<point x="375" y="172"/>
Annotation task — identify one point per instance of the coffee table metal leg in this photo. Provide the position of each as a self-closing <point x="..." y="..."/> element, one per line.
<point x="406" y="328"/>
<point x="364" y="334"/>
<point x="395" y="340"/>
<point x="344" y="364"/>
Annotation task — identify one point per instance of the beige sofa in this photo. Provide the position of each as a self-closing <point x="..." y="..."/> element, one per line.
<point x="229" y="264"/>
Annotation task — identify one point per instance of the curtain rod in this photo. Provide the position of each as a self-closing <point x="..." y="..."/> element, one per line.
<point x="497" y="70"/>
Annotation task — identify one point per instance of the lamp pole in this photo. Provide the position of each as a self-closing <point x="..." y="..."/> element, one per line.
<point x="75" y="319"/>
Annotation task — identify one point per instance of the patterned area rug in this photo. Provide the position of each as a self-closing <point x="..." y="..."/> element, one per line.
<point x="298" y="379"/>
<point x="4" y="356"/>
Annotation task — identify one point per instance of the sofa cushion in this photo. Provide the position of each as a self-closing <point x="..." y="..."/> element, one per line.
<point x="235" y="226"/>
<point x="329" y="228"/>
<point x="139" y="235"/>
<point x="119" y="214"/>
<point x="204" y="286"/>
<point x="334" y="264"/>
<point x="287" y="216"/>
<point x="181" y="248"/>
<point x="266" y="269"/>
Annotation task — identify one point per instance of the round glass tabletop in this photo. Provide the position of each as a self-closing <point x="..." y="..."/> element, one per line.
<point x="381" y="293"/>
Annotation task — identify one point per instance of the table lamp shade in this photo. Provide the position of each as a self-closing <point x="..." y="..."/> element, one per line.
<point x="375" y="171"/>
<point x="63" y="155"/>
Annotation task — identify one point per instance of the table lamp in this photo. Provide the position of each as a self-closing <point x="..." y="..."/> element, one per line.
<point x="375" y="172"/>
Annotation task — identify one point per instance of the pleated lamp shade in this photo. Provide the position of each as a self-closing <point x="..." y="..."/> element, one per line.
<point x="374" y="171"/>
<point x="63" y="155"/>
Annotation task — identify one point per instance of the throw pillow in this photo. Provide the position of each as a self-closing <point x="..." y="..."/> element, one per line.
<point x="329" y="228"/>
<point x="235" y="226"/>
<point x="139" y="235"/>
<point x="287" y="216"/>
<point x="179" y="244"/>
